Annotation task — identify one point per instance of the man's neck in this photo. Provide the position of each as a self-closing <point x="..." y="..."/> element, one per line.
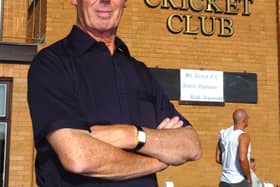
<point x="238" y="127"/>
<point x="108" y="37"/>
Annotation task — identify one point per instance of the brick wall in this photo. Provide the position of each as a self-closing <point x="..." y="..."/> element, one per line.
<point x="253" y="48"/>
<point x="21" y="141"/>
<point x="60" y="18"/>
<point x="14" y="22"/>
<point x="20" y="168"/>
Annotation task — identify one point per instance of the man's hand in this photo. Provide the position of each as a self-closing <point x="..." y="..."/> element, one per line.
<point x="124" y="136"/>
<point x="172" y="123"/>
<point x="121" y="136"/>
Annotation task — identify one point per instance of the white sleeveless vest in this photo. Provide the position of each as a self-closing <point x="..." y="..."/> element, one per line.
<point x="231" y="169"/>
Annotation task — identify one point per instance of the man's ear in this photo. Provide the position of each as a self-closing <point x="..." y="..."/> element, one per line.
<point x="125" y="3"/>
<point x="74" y="2"/>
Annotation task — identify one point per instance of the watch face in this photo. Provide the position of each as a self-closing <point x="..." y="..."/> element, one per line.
<point x="142" y="136"/>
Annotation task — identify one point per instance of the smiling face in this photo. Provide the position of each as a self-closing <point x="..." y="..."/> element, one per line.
<point x="101" y="16"/>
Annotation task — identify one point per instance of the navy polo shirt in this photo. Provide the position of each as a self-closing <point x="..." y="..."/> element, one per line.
<point x="76" y="83"/>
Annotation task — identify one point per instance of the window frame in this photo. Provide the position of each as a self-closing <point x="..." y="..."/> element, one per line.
<point x="7" y="119"/>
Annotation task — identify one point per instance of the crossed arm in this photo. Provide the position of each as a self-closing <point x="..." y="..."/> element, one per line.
<point x="103" y="151"/>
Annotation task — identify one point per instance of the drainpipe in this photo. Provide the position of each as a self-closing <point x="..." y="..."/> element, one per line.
<point x="278" y="46"/>
<point x="1" y="18"/>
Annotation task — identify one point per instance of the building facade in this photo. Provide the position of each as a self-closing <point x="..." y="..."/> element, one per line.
<point x="229" y="36"/>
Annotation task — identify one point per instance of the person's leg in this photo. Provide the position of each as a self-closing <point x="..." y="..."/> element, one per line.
<point x="244" y="183"/>
<point x="224" y="184"/>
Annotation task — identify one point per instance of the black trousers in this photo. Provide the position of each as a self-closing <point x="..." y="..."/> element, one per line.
<point x="243" y="183"/>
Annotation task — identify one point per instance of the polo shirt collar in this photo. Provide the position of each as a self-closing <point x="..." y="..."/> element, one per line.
<point x="78" y="42"/>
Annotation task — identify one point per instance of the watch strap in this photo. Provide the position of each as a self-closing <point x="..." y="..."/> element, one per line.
<point x="139" y="144"/>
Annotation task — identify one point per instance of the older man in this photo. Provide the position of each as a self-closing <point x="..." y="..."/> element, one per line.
<point x="99" y="117"/>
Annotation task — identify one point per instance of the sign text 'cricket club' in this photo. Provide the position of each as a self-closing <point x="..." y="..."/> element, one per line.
<point x="184" y="22"/>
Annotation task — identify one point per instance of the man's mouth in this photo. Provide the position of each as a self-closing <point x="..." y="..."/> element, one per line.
<point x="104" y="14"/>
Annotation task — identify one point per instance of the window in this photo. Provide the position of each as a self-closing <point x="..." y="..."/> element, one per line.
<point x="36" y="21"/>
<point x="23" y="21"/>
<point x="5" y="106"/>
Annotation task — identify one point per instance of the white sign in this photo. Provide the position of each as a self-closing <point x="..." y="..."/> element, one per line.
<point x="168" y="184"/>
<point x="203" y="86"/>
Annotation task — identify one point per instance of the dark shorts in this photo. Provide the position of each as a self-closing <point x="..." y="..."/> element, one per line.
<point x="240" y="184"/>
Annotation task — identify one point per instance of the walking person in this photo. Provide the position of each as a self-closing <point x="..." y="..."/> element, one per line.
<point x="233" y="152"/>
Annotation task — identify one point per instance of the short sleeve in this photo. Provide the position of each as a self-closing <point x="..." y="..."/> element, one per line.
<point x="52" y="99"/>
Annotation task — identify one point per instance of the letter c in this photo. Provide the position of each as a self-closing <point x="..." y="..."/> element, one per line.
<point x="152" y="5"/>
<point x="169" y="23"/>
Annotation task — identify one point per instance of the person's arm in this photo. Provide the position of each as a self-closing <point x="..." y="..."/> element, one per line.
<point x="173" y="146"/>
<point x="244" y="141"/>
<point x="80" y="153"/>
<point x="57" y="116"/>
<point x="218" y="153"/>
<point x="169" y="143"/>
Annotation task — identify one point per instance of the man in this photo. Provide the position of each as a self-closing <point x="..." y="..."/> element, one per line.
<point x="256" y="182"/>
<point x="99" y="117"/>
<point x="233" y="152"/>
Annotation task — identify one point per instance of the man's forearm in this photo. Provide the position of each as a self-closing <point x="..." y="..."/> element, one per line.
<point x="82" y="154"/>
<point x="246" y="169"/>
<point x="218" y="153"/>
<point x="172" y="146"/>
<point x="122" y="165"/>
<point x="244" y="142"/>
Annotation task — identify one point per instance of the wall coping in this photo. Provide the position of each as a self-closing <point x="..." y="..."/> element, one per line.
<point x="18" y="53"/>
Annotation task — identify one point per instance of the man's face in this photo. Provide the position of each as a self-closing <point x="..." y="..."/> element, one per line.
<point x="99" y="15"/>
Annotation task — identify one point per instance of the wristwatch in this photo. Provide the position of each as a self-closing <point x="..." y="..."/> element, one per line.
<point x="141" y="138"/>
